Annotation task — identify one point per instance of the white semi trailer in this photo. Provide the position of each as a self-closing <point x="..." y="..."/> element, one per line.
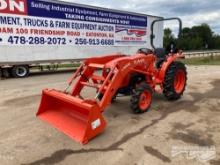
<point x="47" y="32"/>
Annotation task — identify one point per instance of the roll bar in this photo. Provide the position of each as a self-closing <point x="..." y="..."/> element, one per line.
<point x="152" y="36"/>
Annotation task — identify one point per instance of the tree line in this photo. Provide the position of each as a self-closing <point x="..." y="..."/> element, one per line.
<point x="199" y="37"/>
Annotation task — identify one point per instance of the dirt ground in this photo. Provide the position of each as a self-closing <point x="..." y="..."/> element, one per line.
<point x="128" y="139"/>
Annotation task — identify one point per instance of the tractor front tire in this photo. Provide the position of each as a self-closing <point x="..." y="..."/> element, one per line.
<point x="141" y="98"/>
<point x="175" y="81"/>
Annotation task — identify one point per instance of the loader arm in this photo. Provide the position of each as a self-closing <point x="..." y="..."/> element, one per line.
<point x="121" y="68"/>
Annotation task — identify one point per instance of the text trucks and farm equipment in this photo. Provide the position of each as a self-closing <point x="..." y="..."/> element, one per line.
<point x="48" y="34"/>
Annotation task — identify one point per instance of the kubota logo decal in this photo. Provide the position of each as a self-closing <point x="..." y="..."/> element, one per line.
<point x="13" y="7"/>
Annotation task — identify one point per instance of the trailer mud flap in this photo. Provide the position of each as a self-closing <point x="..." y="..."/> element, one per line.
<point x="74" y="117"/>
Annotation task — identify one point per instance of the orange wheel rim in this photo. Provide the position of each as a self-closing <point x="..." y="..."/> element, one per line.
<point x="179" y="81"/>
<point x="145" y="100"/>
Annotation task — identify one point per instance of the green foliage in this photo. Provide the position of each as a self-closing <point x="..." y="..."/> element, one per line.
<point x="216" y="43"/>
<point x="196" y="38"/>
<point x="212" y="60"/>
<point x="168" y="37"/>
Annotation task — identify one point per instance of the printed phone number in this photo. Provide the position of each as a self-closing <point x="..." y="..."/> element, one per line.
<point x="21" y="40"/>
<point x="85" y="41"/>
<point x="36" y="40"/>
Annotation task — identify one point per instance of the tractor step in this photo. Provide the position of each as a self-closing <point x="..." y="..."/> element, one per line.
<point x="94" y="65"/>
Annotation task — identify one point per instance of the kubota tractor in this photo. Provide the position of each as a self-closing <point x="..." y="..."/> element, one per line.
<point x="139" y="76"/>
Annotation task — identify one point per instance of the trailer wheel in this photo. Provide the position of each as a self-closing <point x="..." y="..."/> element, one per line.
<point x="1" y="73"/>
<point x="20" y="71"/>
<point x="6" y="72"/>
<point x="175" y="81"/>
<point x="141" y="98"/>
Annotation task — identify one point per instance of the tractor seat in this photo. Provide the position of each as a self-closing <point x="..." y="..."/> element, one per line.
<point x="160" y="53"/>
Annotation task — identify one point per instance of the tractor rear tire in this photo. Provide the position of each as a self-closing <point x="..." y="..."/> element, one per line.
<point x="175" y="81"/>
<point x="141" y="98"/>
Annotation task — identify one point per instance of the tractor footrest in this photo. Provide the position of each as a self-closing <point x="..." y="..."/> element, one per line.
<point x="94" y="65"/>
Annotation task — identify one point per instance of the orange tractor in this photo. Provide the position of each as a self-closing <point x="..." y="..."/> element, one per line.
<point x="139" y="76"/>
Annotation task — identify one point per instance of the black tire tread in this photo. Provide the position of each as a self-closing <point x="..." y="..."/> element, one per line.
<point x="134" y="102"/>
<point x="168" y="84"/>
<point x="13" y="71"/>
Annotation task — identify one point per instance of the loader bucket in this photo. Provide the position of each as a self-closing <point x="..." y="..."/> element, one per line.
<point x="75" y="117"/>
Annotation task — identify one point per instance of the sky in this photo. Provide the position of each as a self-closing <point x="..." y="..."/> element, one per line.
<point x="192" y="12"/>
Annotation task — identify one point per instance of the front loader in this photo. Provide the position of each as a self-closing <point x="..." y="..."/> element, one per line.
<point x="139" y="76"/>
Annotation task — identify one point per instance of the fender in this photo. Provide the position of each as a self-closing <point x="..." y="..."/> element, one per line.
<point x="165" y="66"/>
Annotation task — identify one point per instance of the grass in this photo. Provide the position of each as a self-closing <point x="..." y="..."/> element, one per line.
<point x="53" y="68"/>
<point x="75" y="65"/>
<point x="211" y="60"/>
<point x="69" y="65"/>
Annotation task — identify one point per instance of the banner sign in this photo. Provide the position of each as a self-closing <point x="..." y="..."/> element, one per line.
<point x="35" y="22"/>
